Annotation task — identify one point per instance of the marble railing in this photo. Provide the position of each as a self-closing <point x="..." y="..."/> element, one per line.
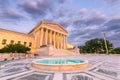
<point x="7" y="56"/>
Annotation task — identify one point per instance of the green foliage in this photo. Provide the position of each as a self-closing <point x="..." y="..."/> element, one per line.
<point x="96" y="46"/>
<point x="116" y="50"/>
<point x="14" y="48"/>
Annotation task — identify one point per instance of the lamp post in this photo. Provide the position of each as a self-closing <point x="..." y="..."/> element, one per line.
<point x="106" y="47"/>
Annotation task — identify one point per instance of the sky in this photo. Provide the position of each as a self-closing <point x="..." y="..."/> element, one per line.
<point x="83" y="19"/>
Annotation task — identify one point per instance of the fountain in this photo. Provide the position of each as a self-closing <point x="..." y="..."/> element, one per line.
<point x="56" y="64"/>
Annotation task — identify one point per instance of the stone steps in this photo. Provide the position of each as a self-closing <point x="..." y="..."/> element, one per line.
<point x="62" y="52"/>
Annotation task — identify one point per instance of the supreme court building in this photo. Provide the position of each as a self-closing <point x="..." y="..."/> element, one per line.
<point x="42" y="34"/>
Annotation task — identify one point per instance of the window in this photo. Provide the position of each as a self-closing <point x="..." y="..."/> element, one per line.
<point x="4" y="41"/>
<point x="12" y="42"/>
<point x="19" y="42"/>
<point x="25" y="43"/>
<point x="30" y="44"/>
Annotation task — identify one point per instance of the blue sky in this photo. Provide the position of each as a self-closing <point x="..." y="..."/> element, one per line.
<point x="84" y="19"/>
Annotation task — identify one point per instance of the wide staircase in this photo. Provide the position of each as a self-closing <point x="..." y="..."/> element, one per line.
<point x="62" y="52"/>
<point x="51" y="51"/>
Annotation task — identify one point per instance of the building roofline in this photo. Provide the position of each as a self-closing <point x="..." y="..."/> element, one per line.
<point x="35" y="27"/>
<point x="15" y="32"/>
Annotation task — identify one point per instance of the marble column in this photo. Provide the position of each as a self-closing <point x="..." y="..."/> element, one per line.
<point x="54" y="34"/>
<point x="46" y="37"/>
<point x="65" y="42"/>
<point x="57" y="41"/>
<point x="61" y="41"/>
<point x="41" y="37"/>
<point x="37" y="39"/>
<point x="50" y="37"/>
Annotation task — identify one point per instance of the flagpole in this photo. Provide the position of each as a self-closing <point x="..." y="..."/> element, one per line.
<point x="106" y="47"/>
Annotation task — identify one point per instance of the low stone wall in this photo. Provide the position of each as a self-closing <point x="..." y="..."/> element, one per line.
<point x="9" y="56"/>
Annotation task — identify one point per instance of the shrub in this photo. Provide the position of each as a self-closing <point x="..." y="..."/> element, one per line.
<point x="116" y="50"/>
<point x="14" y="48"/>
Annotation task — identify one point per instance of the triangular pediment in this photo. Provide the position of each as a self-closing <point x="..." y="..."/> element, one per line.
<point x="49" y="25"/>
<point x="56" y="26"/>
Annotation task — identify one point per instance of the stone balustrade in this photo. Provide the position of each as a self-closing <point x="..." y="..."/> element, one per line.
<point x="10" y="56"/>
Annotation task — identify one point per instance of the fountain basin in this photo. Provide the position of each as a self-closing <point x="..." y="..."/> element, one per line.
<point x="59" y="64"/>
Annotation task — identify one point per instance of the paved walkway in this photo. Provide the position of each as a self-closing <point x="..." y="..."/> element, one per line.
<point x="102" y="67"/>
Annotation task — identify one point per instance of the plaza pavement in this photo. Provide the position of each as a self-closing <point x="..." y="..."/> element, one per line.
<point x="101" y="67"/>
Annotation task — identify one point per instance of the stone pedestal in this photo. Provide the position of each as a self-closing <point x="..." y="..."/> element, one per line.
<point x="50" y="49"/>
<point x="45" y="51"/>
<point x="77" y="50"/>
<point x="42" y="51"/>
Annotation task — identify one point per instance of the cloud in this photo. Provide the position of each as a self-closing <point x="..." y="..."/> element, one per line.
<point x="60" y="13"/>
<point x="96" y="19"/>
<point x="113" y="24"/>
<point x="10" y="14"/>
<point x="40" y="7"/>
<point x="85" y="32"/>
<point x="113" y="37"/>
<point x="83" y="11"/>
<point x="111" y="2"/>
<point x="4" y="4"/>
<point x="86" y="28"/>
<point x="62" y="1"/>
<point x="37" y="7"/>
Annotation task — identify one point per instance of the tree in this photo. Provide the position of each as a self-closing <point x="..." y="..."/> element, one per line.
<point x="116" y="50"/>
<point x="96" y="46"/>
<point x="14" y="48"/>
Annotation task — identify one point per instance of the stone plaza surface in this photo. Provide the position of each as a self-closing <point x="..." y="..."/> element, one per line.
<point x="101" y="67"/>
